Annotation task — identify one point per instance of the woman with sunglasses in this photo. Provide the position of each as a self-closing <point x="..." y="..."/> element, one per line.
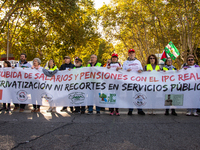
<point x="169" y="66"/>
<point x="152" y="64"/>
<point x="191" y="64"/>
<point x="51" y="67"/>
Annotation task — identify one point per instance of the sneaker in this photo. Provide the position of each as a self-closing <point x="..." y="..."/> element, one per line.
<point x="37" y="110"/>
<point x="21" y="110"/>
<point x="117" y="114"/>
<point x="112" y="113"/>
<point x="195" y="114"/>
<point x="53" y="109"/>
<point x="98" y="112"/>
<point x="33" y="110"/>
<point x="62" y="110"/>
<point x="50" y="109"/>
<point x="15" y="108"/>
<point x="141" y="113"/>
<point x="188" y="114"/>
<point x="90" y="113"/>
<point x="130" y="113"/>
<point x="174" y="113"/>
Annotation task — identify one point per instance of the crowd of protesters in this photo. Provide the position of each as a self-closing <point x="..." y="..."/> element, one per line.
<point x="132" y="64"/>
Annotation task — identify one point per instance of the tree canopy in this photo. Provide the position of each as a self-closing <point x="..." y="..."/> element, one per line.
<point x="149" y="25"/>
<point x="55" y="28"/>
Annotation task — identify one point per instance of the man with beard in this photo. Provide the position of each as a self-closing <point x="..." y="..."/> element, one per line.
<point x="23" y="64"/>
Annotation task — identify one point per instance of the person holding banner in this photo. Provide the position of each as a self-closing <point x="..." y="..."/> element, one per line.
<point x="169" y="66"/>
<point x="23" y="64"/>
<point x="51" y="67"/>
<point x="152" y="64"/>
<point x="66" y="66"/>
<point x="36" y="65"/>
<point x="94" y="63"/>
<point x="132" y="64"/>
<point x="6" y="64"/>
<point x="78" y="64"/>
<point x="108" y="62"/>
<point x="191" y="64"/>
<point x="116" y="66"/>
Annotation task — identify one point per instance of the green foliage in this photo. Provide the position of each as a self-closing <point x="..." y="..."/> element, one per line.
<point x="147" y="26"/>
<point x="48" y="29"/>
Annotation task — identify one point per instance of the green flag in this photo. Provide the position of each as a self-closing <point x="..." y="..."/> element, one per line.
<point x="172" y="51"/>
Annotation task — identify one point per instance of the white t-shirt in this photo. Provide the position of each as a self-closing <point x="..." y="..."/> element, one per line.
<point x="192" y="66"/>
<point x="114" y="65"/>
<point x="134" y="65"/>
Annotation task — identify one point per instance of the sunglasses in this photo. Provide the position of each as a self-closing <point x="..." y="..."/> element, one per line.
<point x="152" y="58"/>
<point x="190" y="59"/>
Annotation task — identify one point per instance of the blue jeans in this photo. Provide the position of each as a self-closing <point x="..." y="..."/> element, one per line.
<point x="90" y="108"/>
<point x="192" y="110"/>
<point x="139" y="110"/>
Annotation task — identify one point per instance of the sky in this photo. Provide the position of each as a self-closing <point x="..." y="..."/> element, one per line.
<point x="99" y="3"/>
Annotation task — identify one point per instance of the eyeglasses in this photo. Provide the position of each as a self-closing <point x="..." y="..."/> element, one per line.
<point x="190" y="59"/>
<point x="152" y="58"/>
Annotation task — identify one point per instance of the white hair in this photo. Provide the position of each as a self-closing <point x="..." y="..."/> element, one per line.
<point x="94" y="55"/>
<point x="38" y="60"/>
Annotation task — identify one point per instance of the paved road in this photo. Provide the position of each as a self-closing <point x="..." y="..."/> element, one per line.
<point x="63" y="130"/>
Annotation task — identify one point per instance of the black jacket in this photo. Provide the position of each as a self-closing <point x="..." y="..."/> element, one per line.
<point x="64" y="66"/>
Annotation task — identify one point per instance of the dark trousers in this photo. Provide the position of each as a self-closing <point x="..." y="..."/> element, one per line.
<point x="167" y="110"/>
<point x="112" y="109"/>
<point x="4" y="105"/>
<point x="36" y="106"/>
<point x="78" y="108"/>
<point x="20" y="105"/>
<point x="16" y="105"/>
<point x="71" y="108"/>
<point x="139" y="110"/>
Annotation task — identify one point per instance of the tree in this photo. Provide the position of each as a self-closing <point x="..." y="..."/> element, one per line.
<point x="48" y="29"/>
<point x="147" y="26"/>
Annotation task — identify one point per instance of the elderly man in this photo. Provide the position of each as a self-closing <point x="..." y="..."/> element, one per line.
<point x="94" y="63"/>
<point x="65" y="66"/>
<point x="134" y="65"/>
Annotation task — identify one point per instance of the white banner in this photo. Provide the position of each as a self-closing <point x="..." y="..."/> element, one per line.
<point x="102" y="87"/>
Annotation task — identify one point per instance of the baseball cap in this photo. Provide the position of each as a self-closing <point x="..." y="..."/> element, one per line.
<point x="131" y="50"/>
<point x="78" y="59"/>
<point x="114" y="55"/>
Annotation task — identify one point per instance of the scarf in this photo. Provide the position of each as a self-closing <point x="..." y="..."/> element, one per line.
<point x="169" y="67"/>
